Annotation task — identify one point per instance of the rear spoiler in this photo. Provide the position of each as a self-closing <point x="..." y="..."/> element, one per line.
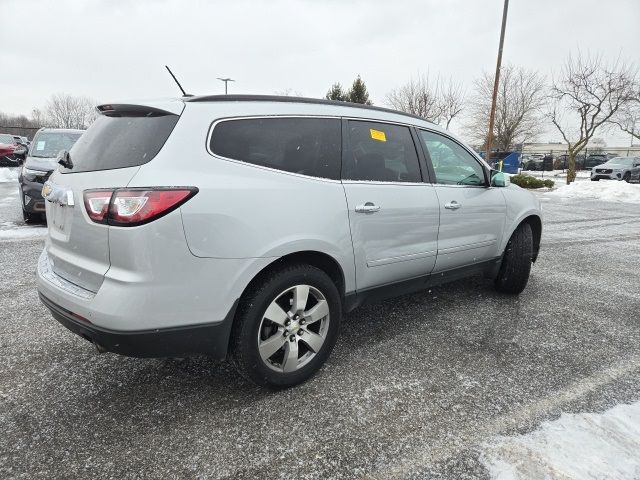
<point x="133" y="110"/>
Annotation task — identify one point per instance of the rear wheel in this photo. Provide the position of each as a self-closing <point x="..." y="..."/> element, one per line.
<point x="595" y="179"/>
<point x="286" y="326"/>
<point x="516" y="261"/>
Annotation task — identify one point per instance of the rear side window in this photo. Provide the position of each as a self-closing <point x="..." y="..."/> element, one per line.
<point x="381" y="152"/>
<point x="308" y="146"/>
<point x="121" y="141"/>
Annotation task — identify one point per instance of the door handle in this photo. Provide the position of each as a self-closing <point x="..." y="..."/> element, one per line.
<point x="368" y="207"/>
<point x="452" y="205"/>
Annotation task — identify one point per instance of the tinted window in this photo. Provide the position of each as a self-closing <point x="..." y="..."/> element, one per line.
<point x="48" y="144"/>
<point x="381" y="152"/>
<point x="309" y="146"/>
<point x="453" y="165"/>
<point x="120" y="141"/>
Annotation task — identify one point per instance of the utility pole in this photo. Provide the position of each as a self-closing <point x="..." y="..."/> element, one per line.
<point x="226" y="81"/>
<point x="492" y="116"/>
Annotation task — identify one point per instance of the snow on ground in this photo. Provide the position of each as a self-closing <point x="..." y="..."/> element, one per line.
<point x="9" y="174"/>
<point x="576" y="446"/>
<point x="556" y="174"/>
<point x="13" y="231"/>
<point x="605" y="190"/>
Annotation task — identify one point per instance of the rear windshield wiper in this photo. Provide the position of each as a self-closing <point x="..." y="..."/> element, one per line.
<point x="64" y="159"/>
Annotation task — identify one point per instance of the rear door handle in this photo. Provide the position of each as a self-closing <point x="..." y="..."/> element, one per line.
<point x="452" y="205"/>
<point x="368" y="207"/>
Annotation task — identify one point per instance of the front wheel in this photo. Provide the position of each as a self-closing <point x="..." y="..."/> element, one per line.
<point x="516" y="261"/>
<point x="29" y="217"/>
<point x="286" y="326"/>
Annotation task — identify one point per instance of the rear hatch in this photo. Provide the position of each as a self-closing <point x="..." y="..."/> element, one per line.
<point x="107" y="156"/>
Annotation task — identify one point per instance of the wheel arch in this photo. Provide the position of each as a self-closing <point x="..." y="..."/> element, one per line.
<point x="320" y="260"/>
<point x="535" y="222"/>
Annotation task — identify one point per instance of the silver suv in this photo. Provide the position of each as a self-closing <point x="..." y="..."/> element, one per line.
<point x="245" y="226"/>
<point x="618" y="168"/>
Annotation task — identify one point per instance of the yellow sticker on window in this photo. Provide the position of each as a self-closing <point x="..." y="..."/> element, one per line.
<point x="378" y="135"/>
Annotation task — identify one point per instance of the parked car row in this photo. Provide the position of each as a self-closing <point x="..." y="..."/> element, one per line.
<point x="540" y="162"/>
<point x="13" y="150"/>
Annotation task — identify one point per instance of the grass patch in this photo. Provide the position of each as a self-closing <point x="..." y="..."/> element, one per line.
<point x="527" y="181"/>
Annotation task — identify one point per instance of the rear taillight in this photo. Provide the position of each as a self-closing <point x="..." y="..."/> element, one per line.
<point x="129" y="207"/>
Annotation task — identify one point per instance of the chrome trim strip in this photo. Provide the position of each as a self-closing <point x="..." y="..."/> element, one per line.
<point x="402" y="258"/>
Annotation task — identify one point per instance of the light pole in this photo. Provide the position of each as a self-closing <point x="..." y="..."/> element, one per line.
<point x="226" y="81"/>
<point x="492" y="116"/>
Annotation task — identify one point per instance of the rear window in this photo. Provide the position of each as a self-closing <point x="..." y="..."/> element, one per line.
<point x="308" y="146"/>
<point x="121" y="141"/>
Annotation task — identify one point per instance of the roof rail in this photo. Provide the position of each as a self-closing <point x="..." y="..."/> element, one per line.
<point x="282" y="98"/>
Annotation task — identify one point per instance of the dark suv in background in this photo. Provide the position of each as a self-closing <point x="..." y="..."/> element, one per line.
<point x="40" y="162"/>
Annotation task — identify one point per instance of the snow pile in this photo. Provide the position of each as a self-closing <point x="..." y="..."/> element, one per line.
<point x="8" y="174"/>
<point x="605" y="190"/>
<point x="582" y="446"/>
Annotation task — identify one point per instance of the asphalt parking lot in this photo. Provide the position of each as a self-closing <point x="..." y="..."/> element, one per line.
<point x="414" y="388"/>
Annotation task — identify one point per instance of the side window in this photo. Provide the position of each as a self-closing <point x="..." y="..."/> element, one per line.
<point x="452" y="163"/>
<point x="380" y="152"/>
<point x="309" y="146"/>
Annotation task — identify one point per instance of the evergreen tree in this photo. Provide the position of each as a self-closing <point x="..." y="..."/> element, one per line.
<point x="336" y="93"/>
<point x="358" y="92"/>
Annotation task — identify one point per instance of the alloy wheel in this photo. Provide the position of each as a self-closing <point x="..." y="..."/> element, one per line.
<point x="293" y="328"/>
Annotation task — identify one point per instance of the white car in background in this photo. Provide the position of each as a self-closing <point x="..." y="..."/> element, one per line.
<point x="618" y="168"/>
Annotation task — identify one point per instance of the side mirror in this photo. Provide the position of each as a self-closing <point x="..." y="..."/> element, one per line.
<point x="499" y="179"/>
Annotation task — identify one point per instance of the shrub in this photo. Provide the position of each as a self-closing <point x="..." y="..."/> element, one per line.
<point x="527" y="181"/>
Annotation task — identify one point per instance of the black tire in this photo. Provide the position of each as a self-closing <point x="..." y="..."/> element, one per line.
<point x="595" y="179"/>
<point x="516" y="261"/>
<point x="29" y="217"/>
<point x="627" y="177"/>
<point x="244" y="344"/>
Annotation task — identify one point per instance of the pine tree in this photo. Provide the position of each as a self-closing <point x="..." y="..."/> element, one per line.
<point x="336" y="93"/>
<point x="358" y="92"/>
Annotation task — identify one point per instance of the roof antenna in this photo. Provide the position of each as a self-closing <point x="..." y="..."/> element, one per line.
<point x="176" y="80"/>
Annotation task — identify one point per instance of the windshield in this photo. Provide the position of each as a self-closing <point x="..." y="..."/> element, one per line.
<point x="48" y="144"/>
<point x="621" y="161"/>
<point x="8" y="139"/>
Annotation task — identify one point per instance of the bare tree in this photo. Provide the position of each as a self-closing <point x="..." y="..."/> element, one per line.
<point x="586" y="95"/>
<point x="521" y="97"/>
<point x="627" y="118"/>
<point x="452" y="101"/>
<point x="439" y="101"/>
<point x="68" y="111"/>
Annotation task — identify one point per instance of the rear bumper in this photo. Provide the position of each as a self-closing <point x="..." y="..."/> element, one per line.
<point x="210" y="339"/>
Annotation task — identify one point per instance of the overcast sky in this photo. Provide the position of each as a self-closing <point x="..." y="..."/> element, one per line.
<point x="116" y="49"/>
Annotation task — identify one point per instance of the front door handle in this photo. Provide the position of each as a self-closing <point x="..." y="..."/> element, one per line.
<point x="368" y="207"/>
<point x="452" y="205"/>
